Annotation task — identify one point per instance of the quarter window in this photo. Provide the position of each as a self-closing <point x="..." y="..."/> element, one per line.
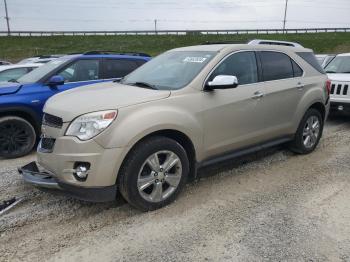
<point x="276" y="66"/>
<point x="242" y="65"/>
<point x="81" y="70"/>
<point x="296" y="69"/>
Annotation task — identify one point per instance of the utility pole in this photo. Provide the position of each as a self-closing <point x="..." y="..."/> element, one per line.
<point x="285" y="16"/>
<point x="155" y="26"/>
<point x="7" y="19"/>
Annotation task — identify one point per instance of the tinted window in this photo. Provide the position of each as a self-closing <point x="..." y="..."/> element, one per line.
<point x="242" y="65"/>
<point x="276" y="66"/>
<point x="296" y="69"/>
<point x="81" y="70"/>
<point x="310" y="58"/>
<point x="12" y="74"/>
<point x="120" y="68"/>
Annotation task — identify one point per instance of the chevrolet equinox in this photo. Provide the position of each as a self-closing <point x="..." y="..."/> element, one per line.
<point x="187" y="108"/>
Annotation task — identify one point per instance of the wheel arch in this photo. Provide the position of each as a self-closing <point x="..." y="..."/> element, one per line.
<point x="179" y="137"/>
<point x="319" y="107"/>
<point x="24" y="113"/>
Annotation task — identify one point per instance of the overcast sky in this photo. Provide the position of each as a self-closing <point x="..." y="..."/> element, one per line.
<point x="172" y="14"/>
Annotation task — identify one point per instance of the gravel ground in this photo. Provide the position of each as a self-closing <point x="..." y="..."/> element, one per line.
<point x="270" y="206"/>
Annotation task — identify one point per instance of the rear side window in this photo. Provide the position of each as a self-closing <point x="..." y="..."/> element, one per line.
<point x="276" y="66"/>
<point x="310" y="58"/>
<point x="117" y="68"/>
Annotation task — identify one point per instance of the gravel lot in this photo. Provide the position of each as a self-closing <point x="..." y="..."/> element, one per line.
<point x="270" y="206"/>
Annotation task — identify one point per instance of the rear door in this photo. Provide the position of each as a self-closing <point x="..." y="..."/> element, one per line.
<point x="284" y="87"/>
<point x="118" y="68"/>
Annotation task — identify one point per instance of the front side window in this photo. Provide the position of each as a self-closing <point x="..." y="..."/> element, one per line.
<point x="118" y="68"/>
<point x="171" y="70"/>
<point x="81" y="70"/>
<point x="242" y="65"/>
<point x="340" y="64"/>
<point x="276" y="66"/>
<point x="13" y="74"/>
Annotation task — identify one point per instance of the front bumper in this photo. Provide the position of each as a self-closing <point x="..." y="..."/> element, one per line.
<point x="32" y="174"/>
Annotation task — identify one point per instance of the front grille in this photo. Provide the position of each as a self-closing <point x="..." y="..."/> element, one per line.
<point x="46" y="144"/>
<point x="53" y="121"/>
<point x="340" y="89"/>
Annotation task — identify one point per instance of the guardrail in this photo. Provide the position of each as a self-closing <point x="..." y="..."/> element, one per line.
<point x="177" y="32"/>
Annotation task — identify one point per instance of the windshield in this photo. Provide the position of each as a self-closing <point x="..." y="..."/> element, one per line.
<point x="171" y="70"/>
<point x="340" y="64"/>
<point x="35" y="75"/>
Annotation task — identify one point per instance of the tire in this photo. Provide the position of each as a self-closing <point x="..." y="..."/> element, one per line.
<point x="17" y="137"/>
<point x="299" y="144"/>
<point x="144" y="184"/>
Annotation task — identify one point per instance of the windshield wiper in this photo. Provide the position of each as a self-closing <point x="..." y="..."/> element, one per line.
<point x="144" y="85"/>
<point x="13" y="81"/>
<point x="345" y="72"/>
<point x="331" y="72"/>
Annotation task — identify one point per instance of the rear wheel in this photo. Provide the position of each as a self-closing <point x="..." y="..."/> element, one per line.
<point x="154" y="173"/>
<point x="309" y="132"/>
<point x="17" y="137"/>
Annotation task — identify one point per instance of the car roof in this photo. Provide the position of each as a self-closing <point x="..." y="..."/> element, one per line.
<point x="344" y="54"/>
<point x="5" y="67"/>
<point x="119" y="56"/>
<point x="222" y="47"/>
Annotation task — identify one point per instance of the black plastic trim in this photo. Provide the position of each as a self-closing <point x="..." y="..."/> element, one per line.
<point x="243" y="151"/>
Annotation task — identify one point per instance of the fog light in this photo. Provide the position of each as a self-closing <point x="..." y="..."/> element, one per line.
<point x="81" y="170"/>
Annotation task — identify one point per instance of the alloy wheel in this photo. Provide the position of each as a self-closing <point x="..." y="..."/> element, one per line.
<point x="159" y="176"/>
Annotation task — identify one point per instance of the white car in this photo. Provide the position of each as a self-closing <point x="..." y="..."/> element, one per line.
<point x="324" y="59"/>
<point x="39" y="59"/>
<point x="13" y="72"/>
<point x="338" y="71"/>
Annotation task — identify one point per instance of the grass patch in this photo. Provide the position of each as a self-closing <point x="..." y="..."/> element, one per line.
<point x="16" y="48"/>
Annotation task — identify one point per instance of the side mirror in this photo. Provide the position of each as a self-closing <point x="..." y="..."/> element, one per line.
<point x="222" y="82"/>
<point x="56" y="81"/>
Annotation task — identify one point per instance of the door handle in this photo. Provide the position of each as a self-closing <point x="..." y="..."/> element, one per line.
<point x="300" y="86"/>
<point x="258" y="95"/>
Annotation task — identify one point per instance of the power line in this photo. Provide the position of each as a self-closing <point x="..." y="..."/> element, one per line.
<point x="7" y="19"/>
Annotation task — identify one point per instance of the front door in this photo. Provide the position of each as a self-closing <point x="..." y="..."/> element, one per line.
<point x="234" y="118"/>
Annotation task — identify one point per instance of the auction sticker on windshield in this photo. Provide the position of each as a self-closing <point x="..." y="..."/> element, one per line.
<point x="195" y="59"/>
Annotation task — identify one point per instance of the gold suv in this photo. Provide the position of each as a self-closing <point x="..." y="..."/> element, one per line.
<point x="187" y="108"/>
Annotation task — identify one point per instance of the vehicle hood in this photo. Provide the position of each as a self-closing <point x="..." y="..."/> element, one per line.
<point x="7" y="88"/>
<point x="339" y="77"/>
<point x="78" y="101"/>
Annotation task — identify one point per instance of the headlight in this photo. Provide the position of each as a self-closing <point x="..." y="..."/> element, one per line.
<point x="90" y="125"/>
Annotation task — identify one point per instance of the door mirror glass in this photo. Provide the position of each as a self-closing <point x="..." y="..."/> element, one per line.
<point x="56" y="81"/>
<point x="223" y="82"/>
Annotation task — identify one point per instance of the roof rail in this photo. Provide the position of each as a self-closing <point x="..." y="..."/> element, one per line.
<point x="273" y="42"/>
<point x="102" y="52"/>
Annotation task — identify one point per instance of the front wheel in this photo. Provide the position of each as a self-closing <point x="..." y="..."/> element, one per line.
<point x="309" y="132"/>
<point x="154" y="173"/>
<point x="17" y="137"/>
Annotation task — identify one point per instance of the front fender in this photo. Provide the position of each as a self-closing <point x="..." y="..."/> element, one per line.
<point x="134" y="123"/>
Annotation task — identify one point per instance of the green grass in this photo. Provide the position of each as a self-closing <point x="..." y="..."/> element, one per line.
<point x="16" y="48"/>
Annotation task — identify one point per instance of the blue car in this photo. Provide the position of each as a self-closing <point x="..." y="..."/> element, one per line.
<point x="22" y="101"/>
